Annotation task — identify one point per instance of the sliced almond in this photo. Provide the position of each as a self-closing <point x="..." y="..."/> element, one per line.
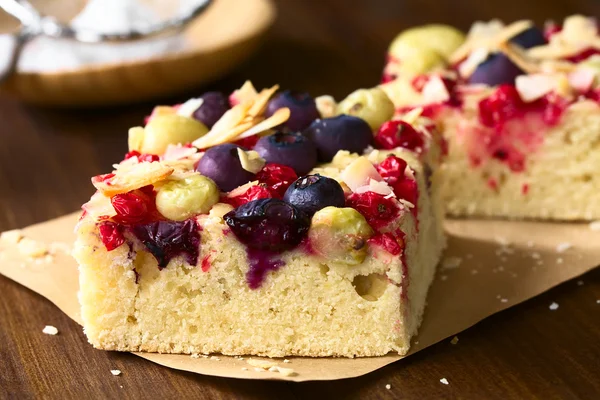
<point x="99" y="206"/>
<point x="520" y="58"/>
<point x="135" y="177"/>
<point x="246" y="93"/>
<point x="412" y="116"/>
<point x="250" y="160"/>
<point x="260" y="102"/>
<point x="228" y="122"/>
<point x="188" y="108"/>
<point x="279" y="117"/>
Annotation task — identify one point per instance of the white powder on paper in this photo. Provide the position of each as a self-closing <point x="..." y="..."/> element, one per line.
<point x="45" y="54"/>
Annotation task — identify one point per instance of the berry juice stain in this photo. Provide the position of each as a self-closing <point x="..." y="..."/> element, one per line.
<point x="261" y="262"/>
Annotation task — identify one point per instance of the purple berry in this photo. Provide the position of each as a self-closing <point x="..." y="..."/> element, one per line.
<point x="344" y="132"/>
<point x="291" y="149"/>
<point x="268" y="224"/>
<point x="498" y="69"/>
<point x="302" y="108"/>
<point x="214" y="105"/>
<point x="313" y="192"/>
<point x="222" y="164"/>
<point x="529" y="38"/>
<point x="168" y="239"/>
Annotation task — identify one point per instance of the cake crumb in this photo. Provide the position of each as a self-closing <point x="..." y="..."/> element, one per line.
<point x="553" y="306"/>
<point x="474" y="272"/>
<point x="259" y="369"/>
<point x="469" y="256"/>
<point x="451" y="262"/>
<point x="30" y="248"/>
<point x="562" y="247"/>
<point x="598" y="301"/>
<point x="579" y="283"/>
<point x="283" y="371"/>
<point x="50" y="330"/>
<point x="264" y="364"/>
<point x="502" y="241"/>
<point x="286" y="361"/>
<point x="530" y="244"/>
<point x="540" y="262"/>
<point x="535" y="255"/>
<point x="215" y="358"/>
<point x="244" y="369"/>
<point x="388" y="386"/>
<point x="559" y="260"/>
<point x="595" y="225"/>
<point x="195" y="355"/>
<point x="11" y="237"/>
<point x="454" y="340"/>
<point x="504" y="300"/>
<point x="444" y="381"/>
<point x="444" y="277"/>
<point x="115" y="372"/>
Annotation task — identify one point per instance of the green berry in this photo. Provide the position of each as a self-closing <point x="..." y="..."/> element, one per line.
<point x="163" y="130"/>
<point x="340" y="235"/>
<point x="440" y="39"/>
<point x="372" y="105"/>
<point x="181" y="199"/>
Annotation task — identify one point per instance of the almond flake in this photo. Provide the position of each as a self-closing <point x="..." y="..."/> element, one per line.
<point x="326" y="106"/>
<point x="279" y="117"/>
<point x="99" y="205"/>
<point x="582" y="79"/>
<point x="188" y="108"/>
<point x="260" y="102"/>
<point x="533" y="87"/>
<point x="178" y="152"/>
<point x="359" y="173"/>
<point x="134" y="177"/>
<point x="246" y="93"/>
<point x="250" y="160"/>
<point x="411" y="117"/>
<point x="477" y="56"/>
<point x="435" y="91"/>
<point x="229" y="121"/>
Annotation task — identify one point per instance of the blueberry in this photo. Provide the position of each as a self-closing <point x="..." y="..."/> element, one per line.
<point x="529" y="38"/>
<point x="498" y="69"/>
<point x="167" y="239"/>
<point x="213" y="107"/>
<point x="222" y="164"/>
<point x="302" y="108"/>
<point x="313" y="192"/>
<point x="291" y="149"/>
<point x="268" y="224"/>
<point x="343" y="132"/>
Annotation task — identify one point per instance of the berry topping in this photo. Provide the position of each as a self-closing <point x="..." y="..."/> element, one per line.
<point x="291" y="149"/>
<point x="222" y="164"/>
<point x="372" y="105"/>
<point x="168" y="239"/>
<point x="498" y="69"/>
<point x="388" y="242"/>
<point x="302" y="107"/>
<point x="142" y="157"/>
<point x="277" y="178"/>
<point x="247" y="142"/>
<point x="343" y="132"/>
<point x="163" y="130"/>
<point x="181" y="199"/>
<point x="394" y="134"/>
<point x="392" y="169"/>
<point x="504" y="104"/>
<point x="214" y="105"/>
<point x="378" y="210"/>
<point x="529" y="38"/>
<point x="268" y="224"/>
<point x="111" y="234"/>
<point x="255" y="192"/>
<point x="135" y="207"/>
<point x="313" y="192"/>
<point x="340" y="235"/>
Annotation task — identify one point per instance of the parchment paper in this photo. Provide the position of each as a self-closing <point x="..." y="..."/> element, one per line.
<point x="488" y="267"/>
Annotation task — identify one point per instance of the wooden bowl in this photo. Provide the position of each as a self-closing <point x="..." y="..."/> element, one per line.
<point x="226" y="34"/>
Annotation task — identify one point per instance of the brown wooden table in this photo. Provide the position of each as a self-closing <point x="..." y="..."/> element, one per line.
<point x="335" y="46"/>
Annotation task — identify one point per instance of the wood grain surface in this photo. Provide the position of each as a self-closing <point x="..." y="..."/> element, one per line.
<point x="334" y="46"/>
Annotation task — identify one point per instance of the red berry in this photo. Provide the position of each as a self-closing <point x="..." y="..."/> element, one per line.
<point x="394" y="134"/>
<point x="392" y="167"/>
<point x="248" y="143"/>
<point x="377" y="210"/>
<point x="550" y="29"/>
<point x="277" y="178"/>
<point x="388" y="241"/>
<point x="504" y="104"/>
<point x="408" y="190"/>
<point x="419" y="82"/>
<point x="142" y="157"/>
<point x="385" y="78"/>
<point x="135" y="207"/>
<point x="256" y="192"/>
<point x="111" y="234"/>
<point x="583" y="55"/>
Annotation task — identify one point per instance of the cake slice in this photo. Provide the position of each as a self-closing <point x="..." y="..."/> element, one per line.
<point x="519" y="110"/>
<point x="312" y="244"/>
